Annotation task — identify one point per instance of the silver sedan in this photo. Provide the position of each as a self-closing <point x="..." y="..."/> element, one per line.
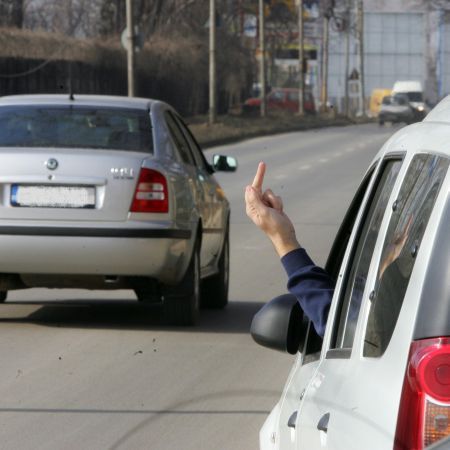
<point x="105" y="192"/>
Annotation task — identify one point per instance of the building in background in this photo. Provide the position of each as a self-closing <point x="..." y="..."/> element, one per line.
<point x="403" y="40"/>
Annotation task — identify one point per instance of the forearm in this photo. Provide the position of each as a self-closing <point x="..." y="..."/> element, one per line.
<point x="312" y="286"/>
<point x="285" y="243"/>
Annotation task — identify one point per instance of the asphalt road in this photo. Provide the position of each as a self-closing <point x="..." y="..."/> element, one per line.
<point x="95" y="370"/>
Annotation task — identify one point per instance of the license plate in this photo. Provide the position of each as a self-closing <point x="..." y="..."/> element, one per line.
<point x="41" y="196"/>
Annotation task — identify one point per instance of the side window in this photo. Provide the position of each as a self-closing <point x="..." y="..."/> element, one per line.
<point x="314" y="341"/>
<point x="293" y="96"/>
<point x="193" y="145"/>
<point x="356" y="274"/>
<point x="411" y="212"/>
<point x="179" y="139"/>
<point x="276" y="96"/>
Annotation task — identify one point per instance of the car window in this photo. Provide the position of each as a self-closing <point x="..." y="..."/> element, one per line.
<point x="400" y="100"/>
<point x="356" y="276"/>
<point x="411" y="212"/>
<point x="179" y="139"/>
<point x="415" y="96"/>
<point x="75" y="127"/>
<point x="276" y="96"/>
<point x="293" y="96"/>
<point x="193" y="145"/>
<point x="313" y="343"/>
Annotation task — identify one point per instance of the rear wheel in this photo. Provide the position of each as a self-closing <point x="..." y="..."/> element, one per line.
<point x="181" y="304"/>
<point x="215" y="288"/>
<point x="3" y="295"/>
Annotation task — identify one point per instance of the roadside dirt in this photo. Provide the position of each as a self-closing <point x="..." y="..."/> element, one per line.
<point x="233" y="128"/>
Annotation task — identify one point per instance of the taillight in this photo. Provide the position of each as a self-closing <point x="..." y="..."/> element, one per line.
<point x="151" y="193"/>
<point x="424" y="413"/>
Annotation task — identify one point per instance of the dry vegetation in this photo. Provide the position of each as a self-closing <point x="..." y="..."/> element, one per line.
<point x="16" y="43"/>
<point x="234" y="127"/>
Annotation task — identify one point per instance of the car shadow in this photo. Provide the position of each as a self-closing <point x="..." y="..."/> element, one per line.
<point x="124" y="314"/>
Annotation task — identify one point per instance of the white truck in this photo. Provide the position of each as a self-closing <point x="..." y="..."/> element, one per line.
<point x="414" y="92"/>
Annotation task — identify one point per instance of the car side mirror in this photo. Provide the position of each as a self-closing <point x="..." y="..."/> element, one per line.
<point x="280" y="325"/>
<point x="222" y="163"/>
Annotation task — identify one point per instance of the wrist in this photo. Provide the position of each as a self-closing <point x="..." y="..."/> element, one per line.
<point x="284" y="245"/>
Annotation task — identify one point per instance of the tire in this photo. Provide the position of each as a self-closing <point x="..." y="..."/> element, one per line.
<point x="215" y="288"/>
<point x="3" y="295"/>
<point x="181" y="304"/>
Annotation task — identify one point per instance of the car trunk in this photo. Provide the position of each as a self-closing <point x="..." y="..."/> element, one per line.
<point x="85" y="185"/>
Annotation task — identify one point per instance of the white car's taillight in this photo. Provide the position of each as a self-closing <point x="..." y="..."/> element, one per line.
<point x="151" y="193"/>
<point x="424" y="413"/>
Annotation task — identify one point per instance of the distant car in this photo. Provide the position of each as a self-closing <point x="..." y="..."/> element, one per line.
<point x="379" y="379"/>
<point x="396" y="109"/>
<point x="414" y="91"/>
<point x="106" y="192"/>
<point x="281" y="99"/>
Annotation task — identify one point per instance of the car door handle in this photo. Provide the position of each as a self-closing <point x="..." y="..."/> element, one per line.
<point x="292" y="420"/>
<point x="323" y="423"/>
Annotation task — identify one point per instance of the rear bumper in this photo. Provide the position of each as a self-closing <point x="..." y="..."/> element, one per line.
<point x="162" y="254"/>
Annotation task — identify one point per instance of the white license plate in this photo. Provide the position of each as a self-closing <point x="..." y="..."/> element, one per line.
<point x="52" y="196"/>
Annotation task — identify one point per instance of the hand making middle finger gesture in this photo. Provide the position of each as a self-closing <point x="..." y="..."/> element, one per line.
<point x="265" y="209"/>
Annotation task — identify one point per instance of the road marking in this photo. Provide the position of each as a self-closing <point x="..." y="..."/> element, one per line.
<point x="323" y="160"/>
<point x="305" y="167"/>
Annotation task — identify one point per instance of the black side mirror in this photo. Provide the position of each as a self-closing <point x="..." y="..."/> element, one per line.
<point x="222" y="163"/>
<point x="280" y="325"/>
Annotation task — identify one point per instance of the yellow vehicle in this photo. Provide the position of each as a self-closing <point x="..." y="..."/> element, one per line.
<point x="376" y="99"/>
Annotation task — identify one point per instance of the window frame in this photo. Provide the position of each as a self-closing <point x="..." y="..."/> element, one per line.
<point x="364" y="198"/>
<point x="392" y="224"/>
<point x="173" y="129"/>
<point x="314" y="342"/>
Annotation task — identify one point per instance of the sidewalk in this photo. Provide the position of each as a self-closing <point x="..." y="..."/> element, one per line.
<point x="233" y="128"/>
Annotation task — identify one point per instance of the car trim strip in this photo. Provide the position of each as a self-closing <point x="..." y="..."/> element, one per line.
<point x="169" y="233"/>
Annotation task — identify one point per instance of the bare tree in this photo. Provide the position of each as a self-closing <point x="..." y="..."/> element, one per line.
<point x="11" y="13"/>
<point x="78" y="18"/>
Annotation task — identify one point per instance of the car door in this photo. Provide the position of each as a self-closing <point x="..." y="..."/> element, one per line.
<point x="321" y="400"/>
<point x="307" y="360"/>
<point x="352" y="401"/>
<point x="216" y="204"/>
<point x="199" y="181"/>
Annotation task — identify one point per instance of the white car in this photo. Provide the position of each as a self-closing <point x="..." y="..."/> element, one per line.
<point x="380" y="377"/>
<point x="103" y="192"/>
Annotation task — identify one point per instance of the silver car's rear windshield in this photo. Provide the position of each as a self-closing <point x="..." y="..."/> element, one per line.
<point x="76" y="127"/>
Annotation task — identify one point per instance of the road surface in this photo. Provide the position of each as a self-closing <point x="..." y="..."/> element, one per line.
<point x="96" y="370"/>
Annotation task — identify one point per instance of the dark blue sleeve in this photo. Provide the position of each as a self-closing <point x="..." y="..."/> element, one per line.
<point x="312" y="286"/>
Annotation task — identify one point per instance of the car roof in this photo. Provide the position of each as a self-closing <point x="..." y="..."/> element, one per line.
<point x="87" y="100"/>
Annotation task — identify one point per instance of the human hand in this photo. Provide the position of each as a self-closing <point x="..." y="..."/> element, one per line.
<point x="394" y="249"/>
<point x="265" y="209"/>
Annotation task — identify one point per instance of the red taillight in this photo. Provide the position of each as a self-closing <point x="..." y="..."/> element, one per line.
<point x="151" y="193"/>
<point x="424" y="413"/>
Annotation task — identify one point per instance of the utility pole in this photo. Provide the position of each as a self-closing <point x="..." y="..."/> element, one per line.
<point x="324" y="71"/>
<point x="262" y="49"/>
<point x="130" y="47"/>
<point x="212" y="61"/>
<point x="347" y="56"/>
<point x="301" y="78"/>
<point x="360" y="28"/>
